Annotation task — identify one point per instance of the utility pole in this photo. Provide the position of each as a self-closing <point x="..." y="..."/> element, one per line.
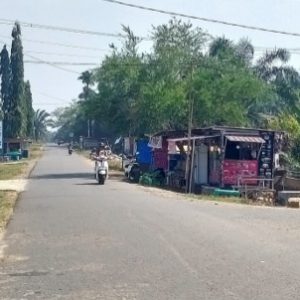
<point x="89" y="128"/>
<point x="188" y="170"/>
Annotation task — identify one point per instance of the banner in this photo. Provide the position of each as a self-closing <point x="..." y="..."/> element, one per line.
<point x="1" y="135"/>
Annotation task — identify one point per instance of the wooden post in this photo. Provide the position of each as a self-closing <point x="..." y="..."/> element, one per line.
<point x="192" y="167"/>
<point x="190" y="124"/>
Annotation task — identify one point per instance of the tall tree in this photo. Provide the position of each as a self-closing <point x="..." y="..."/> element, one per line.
<point x="18" y="125"/>
<point x="29" y="109"/>
<point x="87" y="79"/>
<point x="5" y="72"/>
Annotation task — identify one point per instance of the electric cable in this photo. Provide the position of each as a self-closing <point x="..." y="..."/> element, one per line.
<point x="171" y="13"/>
<point x="59" y="28"/>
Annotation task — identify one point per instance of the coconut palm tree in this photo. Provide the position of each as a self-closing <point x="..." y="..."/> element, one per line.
<point x="221" y="47"/>
<point x="40" y="123"/>
<point x="224" y="49"/>
<point x="272" y="67"/>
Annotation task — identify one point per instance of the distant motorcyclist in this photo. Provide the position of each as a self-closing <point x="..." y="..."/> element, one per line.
<point x="70" y="148"/>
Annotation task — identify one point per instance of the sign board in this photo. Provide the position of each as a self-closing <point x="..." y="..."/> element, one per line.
<point x="1" y="134"/>
<point x="90" y="143"/>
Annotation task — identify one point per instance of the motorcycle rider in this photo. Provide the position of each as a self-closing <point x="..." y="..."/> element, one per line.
<point x="70" y="148"/>
<point x="102" y="158"/>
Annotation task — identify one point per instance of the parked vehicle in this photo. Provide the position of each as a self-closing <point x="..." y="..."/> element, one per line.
<point x="132" y="171"/>
<point x="101" y="170"/>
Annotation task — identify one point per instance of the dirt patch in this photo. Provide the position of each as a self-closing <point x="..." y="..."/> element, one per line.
<point x="7" y="204"/>
<point x="192" y="197"/>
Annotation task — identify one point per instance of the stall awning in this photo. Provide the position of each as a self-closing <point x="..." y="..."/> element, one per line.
<point x="246" y="139"/>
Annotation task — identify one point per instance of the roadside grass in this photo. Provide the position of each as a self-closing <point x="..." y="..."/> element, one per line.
<point x="17" y="169"/>
<point x="212" y="198"/>
<point x="84" y="153"/>
<point x="7" y="204"/>
<point x="115" y="165"/>
<point x="13" y="170"/>
<point x="35" y="151"/>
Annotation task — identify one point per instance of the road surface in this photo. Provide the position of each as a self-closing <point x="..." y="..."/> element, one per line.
<point x="73" y="239"/>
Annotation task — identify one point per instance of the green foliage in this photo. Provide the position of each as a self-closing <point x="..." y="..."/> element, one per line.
<point x="68" y="120"/>
<point x="16" y="98"/>
<point x="290" y="124"/>
<point x="225" y="94"/>
<point x="41" y="122"/>
<point x="29" y="112"/>
<point x="18" y="108"/>
<point x="5" y="72"/>
<point x="133" y="93"/>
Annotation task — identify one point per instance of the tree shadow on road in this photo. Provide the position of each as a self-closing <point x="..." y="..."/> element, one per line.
<point x="87" y="183"/>
<point x="63" y="176"/>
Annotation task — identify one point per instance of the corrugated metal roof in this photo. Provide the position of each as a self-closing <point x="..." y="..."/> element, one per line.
<point x="201" y="137"/>
<point x="247" y="139"/>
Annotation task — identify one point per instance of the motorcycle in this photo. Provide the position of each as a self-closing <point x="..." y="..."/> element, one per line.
<point x="70" y="151"/>
<point x="101" y="170"/>
<point x="132" y="171"/>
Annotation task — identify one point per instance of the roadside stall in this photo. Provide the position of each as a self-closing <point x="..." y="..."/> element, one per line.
<point x="16" y="148"/>
<point x="230" y="156"/>
<point x="159" y="145"/>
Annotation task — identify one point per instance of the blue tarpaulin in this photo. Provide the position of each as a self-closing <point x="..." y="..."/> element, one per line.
<point x="144" y="152"/>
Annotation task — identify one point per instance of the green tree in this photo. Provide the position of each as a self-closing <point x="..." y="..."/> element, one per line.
<point x="18" y="124"/>
<point x="177" y="52"/>
<point x="87" y="79"/>
<point x="226" y="94"/>
<point x="5" y="73"/>
<point x="41" y="121"/>
<point x="29" y="109"/>
<point x="118" y="84"/>
<point x="285" y="81"/>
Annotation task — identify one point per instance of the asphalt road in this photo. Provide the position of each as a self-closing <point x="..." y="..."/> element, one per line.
<point x="73" y="239"/>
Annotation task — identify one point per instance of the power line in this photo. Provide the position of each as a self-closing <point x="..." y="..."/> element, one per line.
<point x="64" y="29"/>
<point x="58" y="44"/>
<point x="52" y="65"/>
<point x="61" y="63"/>
<point x="204" y="19"/>
<point x="49" y="96"/>
<point x="62" y="54"/>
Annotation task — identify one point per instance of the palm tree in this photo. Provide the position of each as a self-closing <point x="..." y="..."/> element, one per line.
<point x="221" y="47"/>
<point x="41" y="122"/>
<point x="87" y="78"/>
<point x="244" y="50"/>
<point x="224" y="49"/>
<point x="285" y="80"/>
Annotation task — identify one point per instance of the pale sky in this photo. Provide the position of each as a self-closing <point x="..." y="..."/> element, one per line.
<point x="52" y="87"/>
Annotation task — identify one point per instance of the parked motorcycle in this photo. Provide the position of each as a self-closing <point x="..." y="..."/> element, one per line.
<point x="132" y="171"/>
